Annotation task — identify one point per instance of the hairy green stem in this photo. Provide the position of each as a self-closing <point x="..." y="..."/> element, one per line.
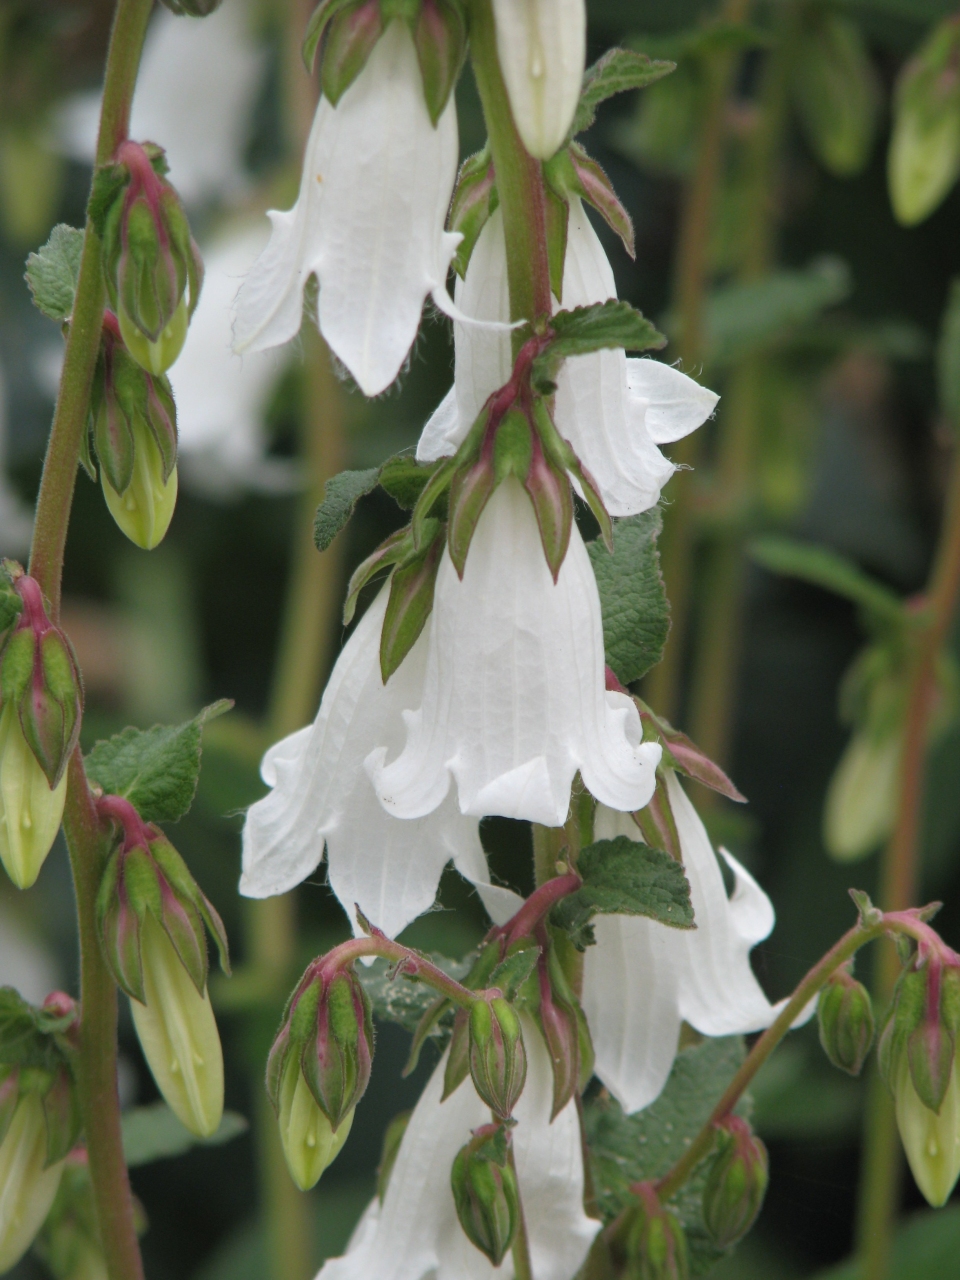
<point x="677" y="542"/>
<point x="97" y="1059"/>
<point x="520" y="1252"/>
<point x="899" y="884"/>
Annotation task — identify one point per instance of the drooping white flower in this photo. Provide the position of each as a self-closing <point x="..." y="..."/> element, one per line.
<point x="368" y="223"/>
<point x="642" y="979"/>
<point x="323" y="798"/>
<point x="415" y="1232"/>
<point x="221" y="397"/>
<point x="513" y="700"/>
<point x="194" y="96"/>
<point x="542" y="45"/>
<point x="614" y="411"/>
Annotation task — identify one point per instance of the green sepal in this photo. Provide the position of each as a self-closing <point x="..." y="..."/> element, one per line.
<point x="557" y="220"/>
<point x="458" y="1055"/>
<point x="440" y="37"/>
<point x="351" y="36"/>
<point x="319" y="19"/>
<point x="11" y="605"/>
<point x="409" y="603"/>
<point x="398" y="546"/>
<point x="475" y="198"/>
<point x="572" y="173"/>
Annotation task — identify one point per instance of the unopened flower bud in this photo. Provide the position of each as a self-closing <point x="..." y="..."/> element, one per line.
<point x="28" y="1184"/>
<point x="178" y="1035"/>
<point x="134" y="423"/>
<point x="30" y="812"/>
<point x="485" y="1192"/>
<point x="498" y="1059"/>
<point x="931" y="1139"/>
<point x="861" y="799"/>
<point x="338" y="1058"/>
<point x="564" y="1031"/>
<point x="656" y="1244"/>
<point x="542" y="47"/>
<point x="845" y="1016"/>
<point x="152" y="267"/>
<point x="924" y="157"/>
<point x="736" y="1184"/>
<point x="309" y="1143"/>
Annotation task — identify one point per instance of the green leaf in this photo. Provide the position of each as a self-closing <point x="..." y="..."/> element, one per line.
<point x="11" y="606"/>
<point x="341" y="494"/>
<point x="404" y="1002"/>
<point x="754" y="316"/>
<point x="154" y="1133"/>
<point x="27" y="1033"/>
<point x="155" y="769"/>
<point x="636" y="611"/>
<point x="512" y="973"/>
<point x="833" y="572"/>
<point x="626" y="1149"/>
<point x="613" y="323"/>
<point x="618" y="71"/>
<point x="52" y="272"/>
<point x="623" y="877"/>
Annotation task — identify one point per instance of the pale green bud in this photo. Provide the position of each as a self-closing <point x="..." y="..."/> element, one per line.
<point x="145" y="508"/>
<point x="861" y="800"/>
<point x="931" y="1139"/>
<point x="27" y="1189"/>
<point x="155" y="357"/>
<point x="30" y="812"/>
<point x="309" y="1143"/>
<point x="924" y="157"/>
<point x="178" y="1034"/>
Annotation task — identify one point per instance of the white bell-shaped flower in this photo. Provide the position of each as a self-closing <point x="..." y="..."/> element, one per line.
<point x="368" y="223"/>
<point x="514" y="699"/>
<point x="323" y="798"/>
<point x="222" y="398"/>
<point x="642" y="979"/>
<point x="542" y="45"/>
<point x="415" y="1232"/>
<point x="614" y="411"/>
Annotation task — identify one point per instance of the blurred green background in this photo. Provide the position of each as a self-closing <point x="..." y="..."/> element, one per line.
<point x="850" y="451"/>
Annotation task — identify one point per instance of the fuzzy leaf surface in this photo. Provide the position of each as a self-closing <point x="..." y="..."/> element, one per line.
<point x="618" y="71"/>
<point x="155" y="769"/>
<point x="626" y="1149"/>
<point x="340" y="496"/>
<point x="52" y="272"/>
<point x="633" y="599"/>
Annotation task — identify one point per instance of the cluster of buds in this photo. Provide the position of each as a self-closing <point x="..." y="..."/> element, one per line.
<point x="39" y="1124"/>
<point x="485" y="1191"/>
<point x="652" y="1239"/>
<point x="918" y="1060"/>
<point x="319" y="1067"/>
<point x="133" y="422"/>
<point x="151" y="916"/>
<point x="737" y="1182"/>
<point x="39" y="725"/>
<point x="346" y="31"/>
<point x="152" y="266"/>
<point x="845" y="1017"/>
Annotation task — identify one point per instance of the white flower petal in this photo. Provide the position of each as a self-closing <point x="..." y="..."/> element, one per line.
<point x="222" y="399"/>
<point x="194" y="96"/>
<point x="675" y="405"/>
<point x="438" y="438"/>
<point x="322" y="796"/>
<point x="542" y="46"/>
<point x="643" y="978"/>
<point x="415" y="1232"/>
<point x="513" y="698"/>
<point x="377" y="180"/>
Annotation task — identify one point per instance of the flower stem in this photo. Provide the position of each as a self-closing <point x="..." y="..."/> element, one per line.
<point x="899" y="877"/>
<point x="838" y="954"/>
<point x="520" y="1252"/>
<point x="409" y="963"/>
<point x="97" y="1057"/>
<point x="519" y="180"/>
<point x="678" y="538"/>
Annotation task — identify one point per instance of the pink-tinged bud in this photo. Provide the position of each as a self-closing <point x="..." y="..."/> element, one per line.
<point x="310" y="1145"/>
<point x="350" y="40"/>
<point x="498" y="1059"/>
<point x="409" y="603"/>
<point x="736" y="1184"/>
<point x="440" y="36"/>
<point x="28" y="1181"/>
<point x="571" y="174"/>
<point x="684" y="754"/>
<point x="656" y="1244"/>
<point x="485" y="1192"/>
<point x="845" y="1016"/>
<point x="474" y="199"/>
<point x="152" y="267"/>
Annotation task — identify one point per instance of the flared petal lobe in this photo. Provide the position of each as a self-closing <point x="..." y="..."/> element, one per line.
<point x="368" y="223"/>
<point x="322" y="797"/>
<point x="701" y="976"/>
<point x="614" y="411"/>
<point x="415" y="1232"/>
<point x="542" y="46"/>
<point x="513" y="700"/>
